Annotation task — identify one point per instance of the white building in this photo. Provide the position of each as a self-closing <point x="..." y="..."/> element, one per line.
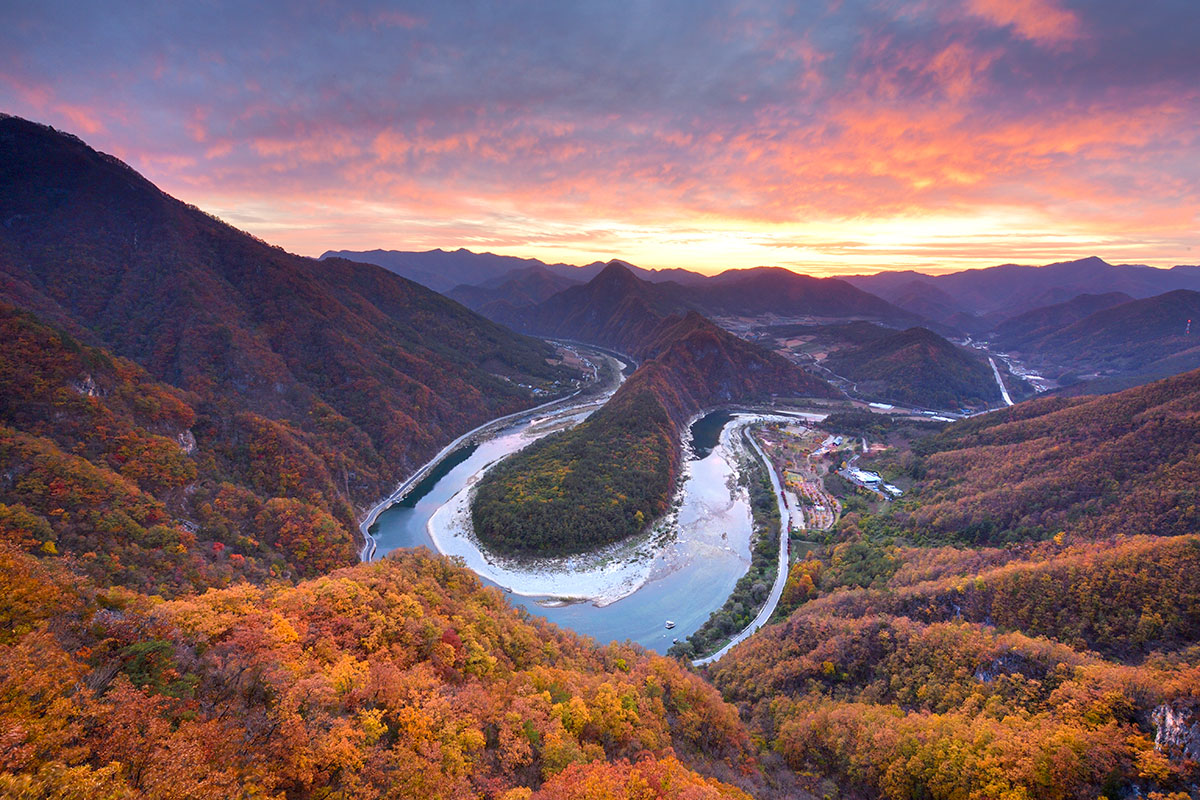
<point x="862" y="476"/>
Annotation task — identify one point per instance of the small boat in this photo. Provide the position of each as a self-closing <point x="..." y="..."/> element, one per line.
<point x="670" y="624"/>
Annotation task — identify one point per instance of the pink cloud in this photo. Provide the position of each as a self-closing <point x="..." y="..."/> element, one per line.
<point x="1041" y="21"/>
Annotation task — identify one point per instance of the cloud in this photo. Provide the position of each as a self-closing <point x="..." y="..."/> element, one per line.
<point x="1041" y="21"/>
<point x="686" y="133"/>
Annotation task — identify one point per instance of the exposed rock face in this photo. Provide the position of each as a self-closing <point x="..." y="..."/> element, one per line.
<point x="187" y="442"/>
<point x="87" y="386"/>
<point x="1177" y="729"/>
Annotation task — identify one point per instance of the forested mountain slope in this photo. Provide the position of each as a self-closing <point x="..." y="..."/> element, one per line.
<point x="608" y="477"/>
<point x="1061" y="664"/>
<point x="1129" y="338"/>
<point x="917" y="367"/>
<point x="1127" y="463"/>
<point x="505" y="298"/>
<point x="401" y="678"/>
<point x="616" y="309"/>
<point x="99" y="465"/>
<point x="1019" y="331"/>
<point x="367" y="371"/>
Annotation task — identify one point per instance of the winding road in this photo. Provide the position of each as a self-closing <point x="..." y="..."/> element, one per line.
<point x="781" y="576"/>
<point x="369" y="544"/>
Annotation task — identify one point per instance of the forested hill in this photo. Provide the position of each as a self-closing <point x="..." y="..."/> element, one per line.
<point x="1125" y="339"/>
<point x="1023" y="623"/>
<point x="608" y="477"/>
<point x="100" y="468"/>
<point x="1012" y="289"/>
<point x="1017" y="332"/>
<point x="615" y="307"/>
<point x="500" y="298"/>
<point x="917" y="367"/>
<point x="364" y="373"/>
<point x="1097" y="466"/>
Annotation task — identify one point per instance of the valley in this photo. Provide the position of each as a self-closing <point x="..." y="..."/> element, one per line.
<point x="283" y="527"/>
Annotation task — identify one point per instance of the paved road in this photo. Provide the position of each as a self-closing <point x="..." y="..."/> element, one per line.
<point x="780" y="578"/>
<point x="1003" y="392"/>
<point x="369" y="544"/>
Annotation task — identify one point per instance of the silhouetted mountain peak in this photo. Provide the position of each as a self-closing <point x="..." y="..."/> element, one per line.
<point x="1090" y="261"/>
<point x="617" y="271"/>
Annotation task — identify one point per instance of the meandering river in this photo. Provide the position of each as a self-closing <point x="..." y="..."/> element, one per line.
<point x="683" y="577"/>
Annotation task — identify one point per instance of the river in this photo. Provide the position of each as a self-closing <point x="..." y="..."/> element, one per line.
<point x="683" y="577"/>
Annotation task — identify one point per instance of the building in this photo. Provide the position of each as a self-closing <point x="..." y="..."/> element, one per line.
<point x="863" y="476"/>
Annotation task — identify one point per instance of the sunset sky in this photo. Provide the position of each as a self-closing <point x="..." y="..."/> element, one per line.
<point x="826" y="137"/>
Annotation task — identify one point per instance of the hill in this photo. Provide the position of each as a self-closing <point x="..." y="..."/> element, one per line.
<point x="615" y="309"/>
<point x="366" y="373"/>
<point x="1012" y="289"/>
<point x="916" y="367"/>
<point x="610" y="476"/>
<point x="1062" y="620"/>
<point x="1089" y="467"/>
<point x="1018" y="332"/>
<point x="594" y="311"/>
<point x="404" y="678"/>
<point x="1132" y="338"/>
<point x="521" y="287"/>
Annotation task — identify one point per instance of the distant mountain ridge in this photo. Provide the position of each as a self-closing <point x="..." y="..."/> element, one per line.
<point x="501" y="298"/>
<point x="617" y="303"/>
<point x="1011" y="289"/>
<point x="444" y="270"/>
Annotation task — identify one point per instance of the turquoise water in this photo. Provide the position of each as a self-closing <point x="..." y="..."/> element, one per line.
<point x="686" y="596"/>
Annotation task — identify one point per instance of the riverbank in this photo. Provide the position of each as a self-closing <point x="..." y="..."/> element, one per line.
<point x="710" y="519"/>
<point x="776" y="592"/>
<point x="750" y="592"/>
<point x="595" y="394"/>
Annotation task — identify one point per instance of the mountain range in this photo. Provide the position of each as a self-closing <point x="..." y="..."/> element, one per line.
<point x="1011" y="289"/>
<point x="1149" y="337"/>
<point x="609" y="477"/>
<point x="759" y="292"/>
<point x="365" y="372"/>
<point x="191" y="419"/>
<point x="444" y="270"/>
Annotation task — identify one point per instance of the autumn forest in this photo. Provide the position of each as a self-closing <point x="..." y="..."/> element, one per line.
<point x="962" y="508"/>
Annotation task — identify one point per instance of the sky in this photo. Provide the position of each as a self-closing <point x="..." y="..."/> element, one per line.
<point x="827" y="137"/>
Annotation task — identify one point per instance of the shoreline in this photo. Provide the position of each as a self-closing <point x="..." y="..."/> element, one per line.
<point x="781" y="576"/>
<point x="369" y="547"/>
<point x="711" y="518"/>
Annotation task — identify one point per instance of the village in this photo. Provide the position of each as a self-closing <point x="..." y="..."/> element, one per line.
<point x="803" y="456"/>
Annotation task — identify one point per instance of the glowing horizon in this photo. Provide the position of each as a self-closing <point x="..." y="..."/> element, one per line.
<point x="847" y="138"/>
